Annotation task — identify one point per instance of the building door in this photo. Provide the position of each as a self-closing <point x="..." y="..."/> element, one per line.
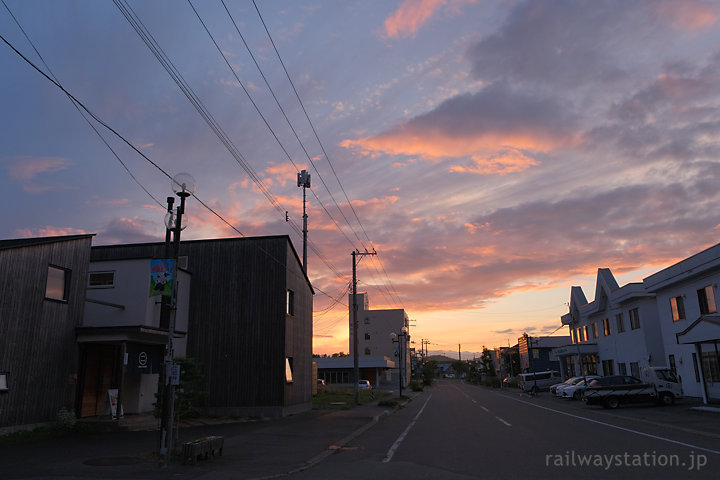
<point x="710" y="352"/>
<point x="100" y="366"/>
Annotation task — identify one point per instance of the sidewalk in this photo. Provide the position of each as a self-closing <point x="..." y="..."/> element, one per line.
<point x="252" y="449"/>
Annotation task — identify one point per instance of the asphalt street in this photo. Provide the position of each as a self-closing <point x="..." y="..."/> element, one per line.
<point x="452" y="430"/>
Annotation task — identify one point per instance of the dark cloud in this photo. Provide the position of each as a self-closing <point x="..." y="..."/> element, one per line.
<point x="561" y="43"/>
<point x="126" y="230"/>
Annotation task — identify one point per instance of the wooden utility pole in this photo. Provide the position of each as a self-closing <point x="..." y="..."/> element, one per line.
<point x="356" y="367"/>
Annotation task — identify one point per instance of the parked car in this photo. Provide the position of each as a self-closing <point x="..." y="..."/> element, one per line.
<point x="553" y="388"/>
<point x="659" y="385"/>
<point x="364" y="384"/>
<point x="576" y="390"/>
<point x="536" y="381"/>
<point x="321" y="382"/>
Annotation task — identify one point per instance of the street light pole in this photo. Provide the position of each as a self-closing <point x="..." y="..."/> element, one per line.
<point x="184" y="186"/>
<point x="303" y="180"/>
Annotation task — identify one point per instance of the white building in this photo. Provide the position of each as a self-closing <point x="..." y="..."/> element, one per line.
<point x="380" y="334"/>
<point x="616" y="334"/>
<point x="686" y="296"/>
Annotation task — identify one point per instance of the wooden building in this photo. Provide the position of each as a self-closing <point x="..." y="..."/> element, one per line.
<point x="42" y="297"/>
<point x="249" y="321"/>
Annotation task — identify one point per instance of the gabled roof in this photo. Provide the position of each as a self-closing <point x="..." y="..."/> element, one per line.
<point x="29" y="242"/>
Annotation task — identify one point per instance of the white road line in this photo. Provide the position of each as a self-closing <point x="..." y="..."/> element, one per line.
<point x="503" y="421"/>
<point x="676" y="442"/>
<point x="484" y="408"/>
<point x="397" y="443"/>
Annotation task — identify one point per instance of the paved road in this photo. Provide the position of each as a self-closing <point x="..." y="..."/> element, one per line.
<point x="451" y="431"/>
<point x="455" y="431"/>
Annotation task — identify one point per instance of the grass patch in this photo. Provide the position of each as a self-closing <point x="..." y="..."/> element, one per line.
<point x="343" y="398"/>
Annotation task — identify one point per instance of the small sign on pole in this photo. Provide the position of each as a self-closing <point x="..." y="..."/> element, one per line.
<point x="161" y="277"/>
<point x="175" y="376"/>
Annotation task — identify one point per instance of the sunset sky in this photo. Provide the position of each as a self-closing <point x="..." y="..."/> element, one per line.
<point x="493" y="152"/>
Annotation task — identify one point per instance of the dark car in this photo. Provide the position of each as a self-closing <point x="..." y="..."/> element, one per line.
<point x="614" y="390"/>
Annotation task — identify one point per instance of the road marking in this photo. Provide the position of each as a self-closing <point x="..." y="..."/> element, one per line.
<point x="676" y="442"/>
<point x="503" y="421"/>
<point x="397" y="443"/>
<point x="484" y="408"/>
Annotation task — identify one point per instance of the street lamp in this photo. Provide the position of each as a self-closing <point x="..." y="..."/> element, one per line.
<point x="183" y="184"/>
<point x="396" y="338"/>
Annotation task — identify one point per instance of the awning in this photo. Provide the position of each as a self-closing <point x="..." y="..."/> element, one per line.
<point x="137" y="334"/>
<point x="704" y="329"/>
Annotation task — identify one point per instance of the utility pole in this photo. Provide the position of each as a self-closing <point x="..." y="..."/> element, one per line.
<point x="303" y="180"/>
<point x="356" y="367"/>
<point x="459" y="356"/>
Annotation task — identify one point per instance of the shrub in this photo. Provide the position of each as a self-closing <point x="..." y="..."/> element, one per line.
<point x="66" y="420"/>
<point x="415" y="386"/>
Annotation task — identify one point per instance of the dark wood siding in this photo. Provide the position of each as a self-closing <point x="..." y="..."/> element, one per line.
<point x="37" y="336"/>
<point x="237" y="322"/>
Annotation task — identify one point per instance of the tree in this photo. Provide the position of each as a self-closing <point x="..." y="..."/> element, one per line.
<point x="428" y="372"/>
<point x="487" y="362"/>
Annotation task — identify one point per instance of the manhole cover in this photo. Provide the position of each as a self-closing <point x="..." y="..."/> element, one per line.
<point x="112" y="461"/>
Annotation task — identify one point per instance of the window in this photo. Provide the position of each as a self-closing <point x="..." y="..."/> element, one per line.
<point x="634" y="369"/>
<point x="58" y="281"/>
<point x="606" y="327"/>
<point x="367" y="336"/>
<point x="101" y="279"/>
<point x="677" y="305"/>
<point x="620" y="321"/>
<point x="622" y="369"/>
<point x="706" y="299"/>
<point x="3" y="381"/>
<point x="290" y="302"/>
<point x="574" y="336"/>
<point x="288" y="369"/>
<point x="587" y="333"/>
<point x="594" y="329"/>
<point x="536" y="353"/>
<point x="580" y="334"/>
<point x="634" y="319"/>
<point x="608" y="367"/>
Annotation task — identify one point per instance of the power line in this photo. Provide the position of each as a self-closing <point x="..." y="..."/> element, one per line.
<point x="322" y="147"/>
<point x="133" y="147"/>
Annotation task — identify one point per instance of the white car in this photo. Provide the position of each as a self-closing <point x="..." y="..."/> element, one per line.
<point x="569" y="381"/>
<point x="575" y="391"/>
<point x="364" y="384"/>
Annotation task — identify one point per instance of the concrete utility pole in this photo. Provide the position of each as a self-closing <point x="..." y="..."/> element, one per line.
<point x="303" y="180"/>
<point x="459" y="356"/>
<point x="356" y="366"/>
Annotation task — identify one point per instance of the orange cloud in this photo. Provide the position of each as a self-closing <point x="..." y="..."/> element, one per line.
<point x="688" y="14"/>
<point x="500" y="163"/>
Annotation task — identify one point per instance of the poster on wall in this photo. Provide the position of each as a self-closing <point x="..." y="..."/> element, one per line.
<point x="161" y="277"/>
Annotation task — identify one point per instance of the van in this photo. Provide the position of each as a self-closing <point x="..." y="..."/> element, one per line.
<point x="538" y="381"/>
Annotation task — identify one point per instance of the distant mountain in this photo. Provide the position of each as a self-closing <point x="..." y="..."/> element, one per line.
<point x="440" y="359"/>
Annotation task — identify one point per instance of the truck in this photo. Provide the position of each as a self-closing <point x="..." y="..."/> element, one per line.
<point x="657" y="384"/>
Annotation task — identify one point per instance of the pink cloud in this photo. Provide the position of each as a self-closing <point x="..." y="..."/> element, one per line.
<point x="48" y="231"/>
<point x="688" y="14"/>
<point x="411" y="15"/>
<point x="27" y="168"/>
